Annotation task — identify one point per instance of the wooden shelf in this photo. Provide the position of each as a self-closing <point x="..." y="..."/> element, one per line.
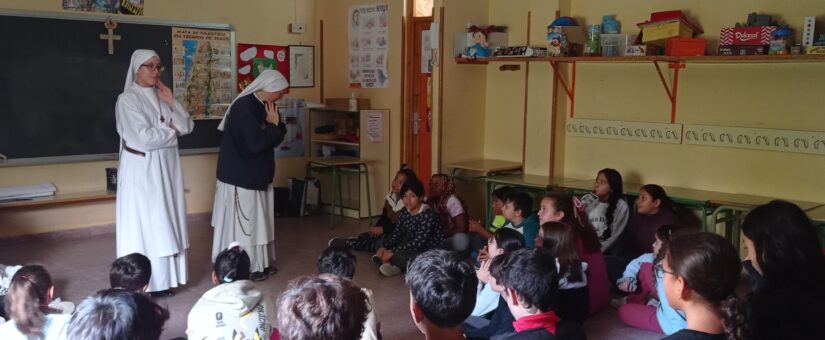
<point x="335" y="142"/>
<point x="61" y="198"/>
<point x="711" y="59"/>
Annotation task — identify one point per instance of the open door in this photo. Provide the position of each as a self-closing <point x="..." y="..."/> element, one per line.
<point x="418" y="130"/>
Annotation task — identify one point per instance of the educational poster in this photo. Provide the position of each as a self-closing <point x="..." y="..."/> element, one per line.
<point x="128" y="7"/>
<point x="254" y="59"/>
<point x="202" y="71"/>
<point x="368" y="41"/>
<point x="293" y="114"/>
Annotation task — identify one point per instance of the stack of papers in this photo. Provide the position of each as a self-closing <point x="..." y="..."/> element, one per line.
<point x="27" y="191"/>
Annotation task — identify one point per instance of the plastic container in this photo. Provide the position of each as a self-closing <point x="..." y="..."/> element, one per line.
<point x="610" y="25"/>
<point x="592" y="47"/>
<point x="353" y="103"/>
<point x="615" y="45"/>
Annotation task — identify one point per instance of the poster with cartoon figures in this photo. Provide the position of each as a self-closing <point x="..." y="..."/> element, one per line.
<point x="368" y="41"/>
<point x="202" y="71"/>
<point x="254" y="59"/>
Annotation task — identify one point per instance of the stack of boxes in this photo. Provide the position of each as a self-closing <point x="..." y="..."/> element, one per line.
<point x="673" y="31"/>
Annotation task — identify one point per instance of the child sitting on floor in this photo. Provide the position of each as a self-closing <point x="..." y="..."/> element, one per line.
<point x="322" y="306"/>
<point x="451" y="212"/>
<point x="528" y="281"/>
<point x="418" y="231"/>
<point x="497" y="200"/>
<point x="27" y="304"/>
<point x="638" y="276"/>
<point x="518" y="210"/>
<point x="371" y="240"/>
<point x="245" y="311"/>
<point x="700" y="273"/>
<point x="442" y="293"/>
<point x="340" y="261"/>
<point x="131" y="272"/>
<point x="653" y="210"/>
<point x="573" y="303"/>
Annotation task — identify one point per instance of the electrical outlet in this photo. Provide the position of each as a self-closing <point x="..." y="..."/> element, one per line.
<point x="297" y="28"/>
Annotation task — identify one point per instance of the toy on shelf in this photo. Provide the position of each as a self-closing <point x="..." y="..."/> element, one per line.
<point x="479" y="41"/>
<point x="780" y="40"/>
<point x="563" y="37"/>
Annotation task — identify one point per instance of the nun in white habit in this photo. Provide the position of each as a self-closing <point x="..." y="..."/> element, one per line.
<point x="150" y="213"/>
<point x="244" y="210"/>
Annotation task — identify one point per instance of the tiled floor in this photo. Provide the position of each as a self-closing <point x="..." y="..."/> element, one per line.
<point x="80" y="267"/>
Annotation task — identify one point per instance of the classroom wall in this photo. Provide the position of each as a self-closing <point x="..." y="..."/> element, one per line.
<point x="255" y="21"/>
<point x="464" y="109"/>
<point x="335" y="14"/>
<point x="781" y="96"/>
<point x="505" y="96"/>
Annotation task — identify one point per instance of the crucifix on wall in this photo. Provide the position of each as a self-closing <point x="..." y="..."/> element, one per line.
<point x="111" y="36"/>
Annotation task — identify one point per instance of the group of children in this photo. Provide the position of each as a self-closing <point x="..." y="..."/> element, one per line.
<point x="538" y="275"/>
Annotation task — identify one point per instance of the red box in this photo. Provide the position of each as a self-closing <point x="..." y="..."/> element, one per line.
<point x="753" y="36"/>
<point x="685" y="47"/>
<point x="741" y="50"/>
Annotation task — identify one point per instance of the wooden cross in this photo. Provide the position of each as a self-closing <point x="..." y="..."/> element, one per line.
<point x="110" y="25"/>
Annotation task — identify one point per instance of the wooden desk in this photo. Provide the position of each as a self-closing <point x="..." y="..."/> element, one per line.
<point x="60" y="199"/>
<point x="486" y="166"/>
<point x="339" y="165"/>
<point x="528" y="181"/>
<point x="751" y="201"/>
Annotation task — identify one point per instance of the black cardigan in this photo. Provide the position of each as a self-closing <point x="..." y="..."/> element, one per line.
<point x="246" y="157"/>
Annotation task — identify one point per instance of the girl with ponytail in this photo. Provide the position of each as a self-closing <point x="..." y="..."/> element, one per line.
<point x="700" y="272"/>
<point x="558" y="206"/>
<point x="27" y="305"/>
<point x="233" y="309"/>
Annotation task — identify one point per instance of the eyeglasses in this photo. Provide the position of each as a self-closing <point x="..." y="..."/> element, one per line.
<point x="659" y="271"/>
<point x="151" y="67"/>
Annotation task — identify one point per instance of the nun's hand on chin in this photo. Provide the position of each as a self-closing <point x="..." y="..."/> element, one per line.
<point x="165" y="94"/>
<point x="272" y="115"/>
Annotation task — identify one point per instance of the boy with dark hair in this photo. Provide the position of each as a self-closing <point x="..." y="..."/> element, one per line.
<point x="518" y="209"/>
<point x="528" y="281"/>
<point x="497" y="200"/>
<point x="442" y="293"/>
<point x="131" y="272"/>
<point x="117" y="314"/>
<point x="340" y="261"/>
<point x="322" y="307"/>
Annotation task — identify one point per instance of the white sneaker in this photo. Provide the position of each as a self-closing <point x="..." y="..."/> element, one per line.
<point x="389" y="270"/>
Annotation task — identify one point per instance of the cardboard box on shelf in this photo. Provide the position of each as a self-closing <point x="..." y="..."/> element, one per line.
<point x="685" y="47"/>
<point x="665" y="25"/>
<point x="750" y="36"/>
<point x="741" y="50"/>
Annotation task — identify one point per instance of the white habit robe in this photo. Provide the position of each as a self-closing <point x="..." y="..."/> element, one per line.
<point x="247" y="217"/>
<point x="150" y="207"/>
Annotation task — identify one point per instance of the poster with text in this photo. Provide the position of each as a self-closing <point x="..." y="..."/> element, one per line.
<point x="128" y="7"/>
<point x="368" y="41"/>
<point x="202" y="71"/>
<point x="254" y="59"/>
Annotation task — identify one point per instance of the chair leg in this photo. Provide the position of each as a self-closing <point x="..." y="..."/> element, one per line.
<point x="335" y="180"/>
<point x="369" y="193"/>
<point x="302" y="210"/>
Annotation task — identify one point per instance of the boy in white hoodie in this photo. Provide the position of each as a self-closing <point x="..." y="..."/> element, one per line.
<point x="233" y="309"/>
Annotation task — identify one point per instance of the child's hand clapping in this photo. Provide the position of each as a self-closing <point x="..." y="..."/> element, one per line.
<point x="475" y="226"/>
<point x="483" y="272"/>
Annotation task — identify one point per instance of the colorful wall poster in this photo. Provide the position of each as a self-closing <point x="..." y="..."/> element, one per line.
<point x="254" y="59"/>
<point x="202" y="71"/>
<point x="128" y="7"/>
<point x="368" y="42"/>
<point x="293" y="114"/>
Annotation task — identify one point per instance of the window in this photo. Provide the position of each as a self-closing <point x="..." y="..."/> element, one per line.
<point x="423" y="8"/>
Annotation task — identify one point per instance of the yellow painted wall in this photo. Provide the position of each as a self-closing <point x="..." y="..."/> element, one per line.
<point x="335" y="14"/>
<point x="504" y="121"/>
<point x="782" y="96"/>
<point x="258" y="21"/>
<point x="463" y="117"/>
